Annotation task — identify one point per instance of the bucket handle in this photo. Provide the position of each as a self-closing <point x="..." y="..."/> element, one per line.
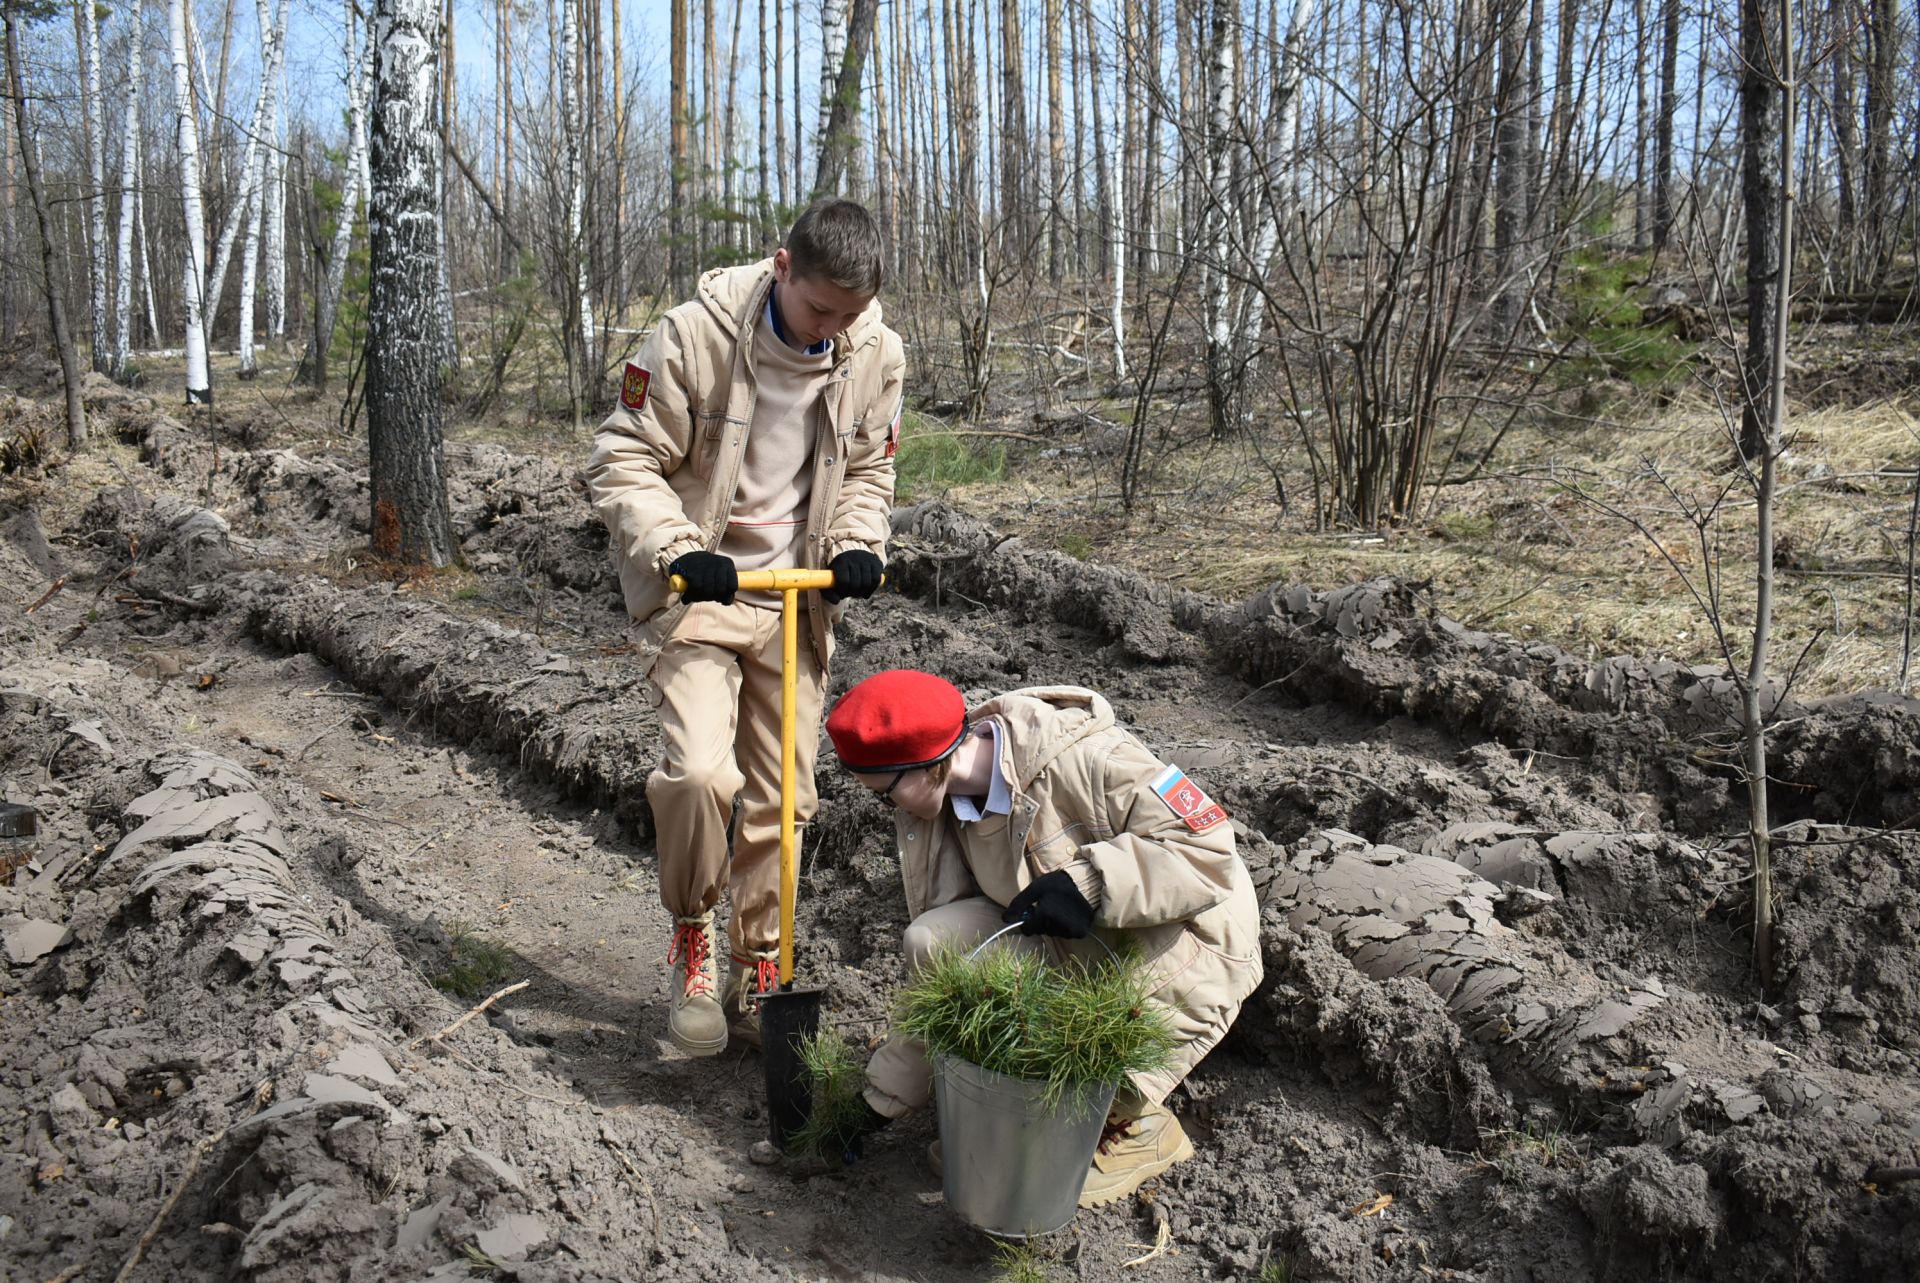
<point x="1021" y="921"/>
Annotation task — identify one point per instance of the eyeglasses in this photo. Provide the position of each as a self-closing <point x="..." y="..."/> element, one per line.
<point x="886" y="794"/>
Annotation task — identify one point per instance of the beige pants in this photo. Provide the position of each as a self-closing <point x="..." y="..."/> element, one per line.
<point x="718" y="678"/>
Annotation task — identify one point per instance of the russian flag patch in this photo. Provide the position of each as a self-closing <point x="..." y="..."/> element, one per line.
<point x="1187" y="800"/>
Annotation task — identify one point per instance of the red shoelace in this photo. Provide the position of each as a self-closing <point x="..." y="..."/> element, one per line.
<point x="690" y="948"/>
<point x="766" y="973"/>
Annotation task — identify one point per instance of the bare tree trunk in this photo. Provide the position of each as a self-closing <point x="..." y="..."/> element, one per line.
<point x="1663" y="127"/>
<point x="1515" y="182"/>
<point x="680" y="156"/>
<point x="1149" y="218"/>
<point x="504" y="88"/>
<point x="799" y="113"/>
<point x="1883" y="46"/>
<point x="273" y="48"/>
<point x="763" y="215"/>
<point x="583" y="364"/>
<point x="37" y="193"/>
<point x="359" y="61"/>
<point x="1015" y="146"/>
<point x="1846" y="129"/>
<point x="410" y="521"/>
<point x="1768" y="54"/>
<point x="129" y="174"/>
<point x="1109" y="244"/>
<point x="780" y="104"/>
<point x="1056" y="147"/>
<point x="1218" y="231"/>
<point x="730" y="155"/>
<point x="1642" y="207"/>
<point x="839" y="132"/>
<point x="93" y="144"/>
<point x="1760" y="129"/>
<point x="193" y="274"/>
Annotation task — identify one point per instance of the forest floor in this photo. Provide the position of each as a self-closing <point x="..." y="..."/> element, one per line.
<point x="287" y="803"/>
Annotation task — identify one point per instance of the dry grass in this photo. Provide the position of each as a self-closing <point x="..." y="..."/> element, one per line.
<point x="1546" y="544"/>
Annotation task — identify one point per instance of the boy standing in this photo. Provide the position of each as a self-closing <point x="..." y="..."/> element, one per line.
<point x="755" y="430"/>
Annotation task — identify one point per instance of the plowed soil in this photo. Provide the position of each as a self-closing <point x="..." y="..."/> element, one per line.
<point x="1509" y="1030"/>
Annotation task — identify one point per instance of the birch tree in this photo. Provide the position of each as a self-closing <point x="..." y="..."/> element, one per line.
<point x="581" y="367"/>
<point x="407" y="478"/>
<point x="354" y="186"/>
<point x="193" y="273"/>
<point x="1217" y="223"/>
<point x="93" y="135"/>
<point x="36" y="190"/>
<point x="273" y="44"/>
<point x="263" y="196"/>
<point x="129" y="175"/>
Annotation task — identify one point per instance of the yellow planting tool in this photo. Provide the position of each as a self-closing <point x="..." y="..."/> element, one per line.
<point x="791" y="1014"/>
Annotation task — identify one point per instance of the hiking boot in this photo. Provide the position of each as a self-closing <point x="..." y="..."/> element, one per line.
<point x="756" y="974"/>
<point x="1132" y="1152"/>
<point x="696" y="1025"/>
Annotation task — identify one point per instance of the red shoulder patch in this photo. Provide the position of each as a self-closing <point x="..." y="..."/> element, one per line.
<point x="1187" y="800"/>
<point x="633" y="388"/>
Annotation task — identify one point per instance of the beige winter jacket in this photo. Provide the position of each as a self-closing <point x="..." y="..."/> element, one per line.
<point x="1084" y="801"/>
<point x="663" y="478"/>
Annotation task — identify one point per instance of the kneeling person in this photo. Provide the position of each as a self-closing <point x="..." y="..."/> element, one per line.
<point x="1037" y="807"/>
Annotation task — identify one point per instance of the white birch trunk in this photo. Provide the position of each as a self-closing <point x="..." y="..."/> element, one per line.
<point x="199" y="386"/>
<point x="1283" y="183"/>
<point x="146" y="256"/>
<point x="833" y="49"/>
<point x="576" y="193"/>
<point x="272" y="47"/>
<point x="276" y="261"/>
<point x="1218" y="232"/>
<point x="129" y="173"/>
<point x="96" y="132"/>
<point x="405" y="331"/>
<point x="1117" y="208"/>
<point x="353" y="189"/>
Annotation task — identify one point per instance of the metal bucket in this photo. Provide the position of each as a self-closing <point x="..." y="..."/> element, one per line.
<point x="1011" y="1166"/>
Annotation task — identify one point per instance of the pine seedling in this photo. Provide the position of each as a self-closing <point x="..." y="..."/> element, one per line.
<point x="837" y="1078"/>
<point x="1073" y="1028"/>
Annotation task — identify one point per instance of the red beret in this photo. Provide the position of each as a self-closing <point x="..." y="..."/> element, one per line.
<point x="899" y="720"/>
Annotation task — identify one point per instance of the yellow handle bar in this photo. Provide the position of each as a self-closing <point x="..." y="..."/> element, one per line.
<point x="771" y="580"/>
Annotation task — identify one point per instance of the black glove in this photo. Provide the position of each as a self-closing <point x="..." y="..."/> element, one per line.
<point x="709" y="576"/>
<point x="1051" y="906"/>
<point x="856" y="573"/>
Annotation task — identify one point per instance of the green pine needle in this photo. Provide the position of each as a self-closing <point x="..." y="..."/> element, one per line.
<point x="1077" y="1029"/>
<point x="838" y="1078"/>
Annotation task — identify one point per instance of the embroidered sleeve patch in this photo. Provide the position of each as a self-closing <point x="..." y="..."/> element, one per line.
<point x="633" y="388"/>
<point x="1187" y="800"/>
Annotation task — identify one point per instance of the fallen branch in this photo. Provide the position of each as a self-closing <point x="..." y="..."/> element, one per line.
<point x="302" y="750"/>
<point x="49" y="594"/>
<point x="1878" y="1175"/>
<point x="437" y="1036"/>
<point x="166" y="1208"/>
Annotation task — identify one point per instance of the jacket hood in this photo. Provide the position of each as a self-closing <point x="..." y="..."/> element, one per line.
<point x="1044" y="721"/>
<point x="737" y="295"/>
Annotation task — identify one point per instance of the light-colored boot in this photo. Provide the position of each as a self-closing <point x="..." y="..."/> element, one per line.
<point x="753" y="975"/>
<point x="1134" y="1153"/>
<point x="696" y="1024"/>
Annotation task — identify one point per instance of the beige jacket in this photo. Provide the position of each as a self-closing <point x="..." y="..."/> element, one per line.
<point x="663" y="479"/>
<point x="1083" y="801"/>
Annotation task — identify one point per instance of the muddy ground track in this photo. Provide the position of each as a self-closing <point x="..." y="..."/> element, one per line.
<point x="1541" y="1042"/>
